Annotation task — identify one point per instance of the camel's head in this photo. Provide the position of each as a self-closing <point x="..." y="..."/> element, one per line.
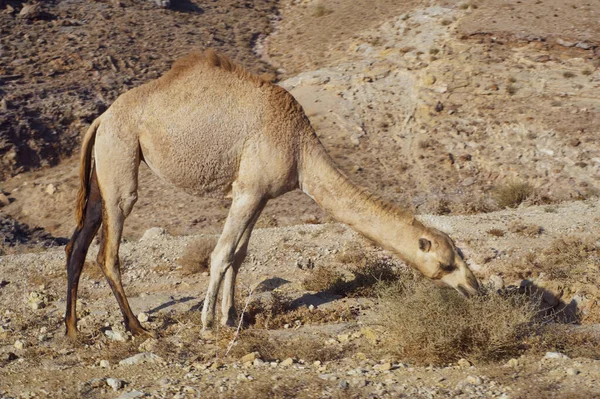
<point x="440" y="261"/>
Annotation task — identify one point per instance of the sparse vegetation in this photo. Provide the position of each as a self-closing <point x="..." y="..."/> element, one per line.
<point x="440" y="326"/>
<point x="569" y="74"/>
<point x="446" y="22"/>
<point x="586" y="72"/>
<point x="196" y="258"/>
<point x="321" y="11"/>
<point x="511" y="89"/>
<point x="325" y="279"/>
<point x="524" y="229"/>
<point x="496" y="232"/>
<point x="512" y="194"/>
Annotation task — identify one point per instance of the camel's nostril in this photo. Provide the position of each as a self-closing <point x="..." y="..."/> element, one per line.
<point x="460" y="288"/>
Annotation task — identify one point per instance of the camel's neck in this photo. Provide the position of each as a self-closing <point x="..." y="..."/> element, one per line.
<point x="390" y="227"/>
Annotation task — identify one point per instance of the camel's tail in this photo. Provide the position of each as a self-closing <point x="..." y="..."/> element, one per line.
<point x="85" y="167"/>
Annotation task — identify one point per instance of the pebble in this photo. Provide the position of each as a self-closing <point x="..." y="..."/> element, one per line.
<point x="474" y="380"/>
<point x="142" y="317"/>
<point x="572" y="371"/>
<point x="464" y="363"/>
<point x="250" y="357"/>
<point x="4" y="199"/>
<point x="145" y="357"/>
<point x="383" y="366"/>
<point x="512" y="363"/>
<point x="104" y="364"/>
<point x="555" y="355"/>
<point x="131" y="395"/>
<point x="19" y="344"/>
<point x="343" y="384"/>
<point x="114" y="383"/>
<point x="287" y="362"/>
<point x="50" y="189"/>
<point x="153" y="232"/>
<point x="115" y="335"/>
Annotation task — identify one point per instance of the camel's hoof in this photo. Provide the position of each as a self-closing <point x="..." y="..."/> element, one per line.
<point x="72" y="334"/>
<point x="139" y="331"/>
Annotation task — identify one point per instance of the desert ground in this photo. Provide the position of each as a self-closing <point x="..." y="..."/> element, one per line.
<point x="481" y="117"/>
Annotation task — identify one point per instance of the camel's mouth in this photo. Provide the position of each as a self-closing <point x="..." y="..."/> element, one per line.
<point x="467" y="292"/>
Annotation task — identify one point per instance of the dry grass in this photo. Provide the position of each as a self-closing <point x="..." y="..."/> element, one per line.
<point x="279" y="311"/>
<point x="524" y="229"/>
<point x="573" y="343"/>
<point x="325" y="279"/>
<point x="321" y="11"/>
<point x="309" y="349"/>
<point x="512" y="194"/>
<point x="496" y="232"/>
<point x="573" y="259"/>
<point x="196" y="258"/>
<point x="440" y="326"/>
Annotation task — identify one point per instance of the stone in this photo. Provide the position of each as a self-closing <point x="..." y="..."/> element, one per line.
<point x="131" y="395"/>
<point x="19" y="344"/>
<point x="104" y="364"/>
<point x="512" y="363"/>
<point x="250" y="357"/>
<point x="343" y="338"/>
<point x="383" y="366"/>
<point x="148" y="345"/>
<point x="3" y="200"/>
<point x="142" y="317"/>
<point x="497" y="282"/>
<point x="584" y="45"/>
<point x="555" y="355"/>
<point x="474" y="380"/>
<point x="163" y="3"/>
<point x="153" y="232"/>
<point x="287" y="362"/>
<point x="30" y="11"/>
<point x="464" y="363"/>
<point x="565" y="43"/>
<point x="115" y="335"/>
<point x="572" y="371"/>
<point x="429" y="80"/>
<point x="145" y="357"/>
<point x="343" y="384"/>
<point x="50" y="189"/>
<point x="114" y="383"/>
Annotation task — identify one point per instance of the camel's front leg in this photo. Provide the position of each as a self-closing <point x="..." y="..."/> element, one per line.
<point x="228" y="312"/>
<point x="243" y="210"/>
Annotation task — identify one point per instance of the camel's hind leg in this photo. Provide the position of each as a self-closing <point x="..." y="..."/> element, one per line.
<point x="227" y="304"/>
<point x="244" y="208"/>
<point x="77" y="249"/>
<point x="117" y="177"/>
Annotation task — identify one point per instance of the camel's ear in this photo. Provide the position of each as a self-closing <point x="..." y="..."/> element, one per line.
<point x="424" y="244"/>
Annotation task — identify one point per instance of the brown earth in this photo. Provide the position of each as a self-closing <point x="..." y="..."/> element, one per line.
<point x="435" y="105"/>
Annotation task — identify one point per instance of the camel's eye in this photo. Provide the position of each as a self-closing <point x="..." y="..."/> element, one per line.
<point x="447" y="268"/>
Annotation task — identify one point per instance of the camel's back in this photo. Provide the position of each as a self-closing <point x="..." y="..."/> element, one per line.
<point x="195" y="122"/>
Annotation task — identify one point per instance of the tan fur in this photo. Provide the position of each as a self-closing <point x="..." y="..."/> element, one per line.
<point x="213" y="129"/>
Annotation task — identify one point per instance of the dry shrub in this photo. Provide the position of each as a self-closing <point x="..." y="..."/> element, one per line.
<point x="369" y="276"/>
<point x="566" y="339"/>
<point x="196" y="258"/>
<point x="321" y="11"/>
<point x="280" y="310"/>
<point x="438" y="326"/>
<point x="527" y="230"/>
<point x="325" y="279"/>
<point x="309" y="349"/>
<point x="496" y="232"/>
<point x="512" y="194"/>
<point x="569" y="258"/>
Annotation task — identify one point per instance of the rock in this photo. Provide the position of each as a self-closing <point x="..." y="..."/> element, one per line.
<point x="287" y="362"/>
<point x="343" y="338"/>
<point x="250" y="357"/>
<point x="355" y="139"/>
<point x="145" y="357"/>
<point x="142" y="317"/>
<point x="474" y="380"/>
<point x="496" y="282"/>
<point x="512" y="363"/>
<point x="439" y="107"/>
<point x="572" y="371"/>
<point x="131" y="395"/>
<point x="464" y="363"/>
<point x="50" y="189"/>
<point x="343" y="384"/>
<point x="383" y="366"/>
<point x="565" y="43"/>
<point x="153" y="232"/>
<point x="114" y="383"/>
<point x="429" y="80"/>
<point x="163" y="3"/>
<point x="115" y="335"/>
<point x="19" y="344"/>
<point x="148" y="345"/>
<point x="30" y="11"/>
<point x="3" y="200"/>
<point x="104" y="364"/>
<point x="584" y="45"/>
<point x="555" y="355"/>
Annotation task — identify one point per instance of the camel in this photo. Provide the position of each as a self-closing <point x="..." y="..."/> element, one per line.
<point x="211" y="128"/>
